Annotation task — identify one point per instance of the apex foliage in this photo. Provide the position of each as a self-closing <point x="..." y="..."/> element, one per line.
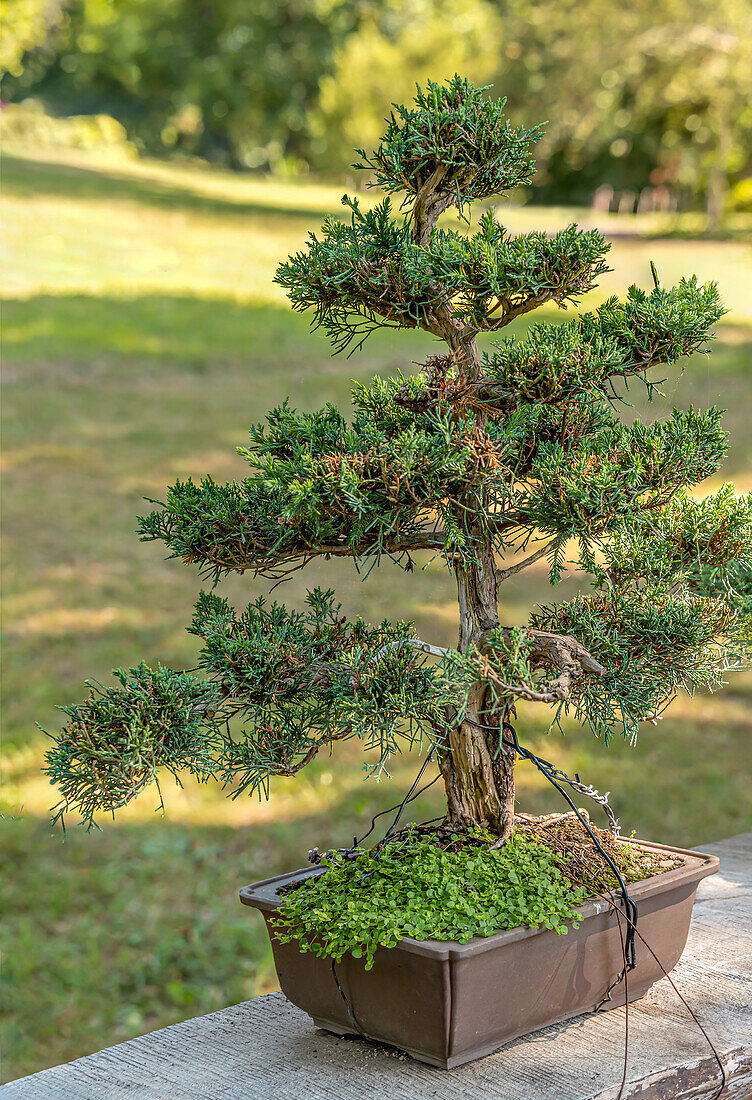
<point x="457" y="140"/>
<point x="477" y="456"/>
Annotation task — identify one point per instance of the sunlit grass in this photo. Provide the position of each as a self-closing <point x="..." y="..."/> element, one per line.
<point x="142" y="336"/>
<point x="148" y="227"/>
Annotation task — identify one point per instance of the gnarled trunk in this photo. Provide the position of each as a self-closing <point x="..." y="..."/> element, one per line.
<point x="478" y="774"/>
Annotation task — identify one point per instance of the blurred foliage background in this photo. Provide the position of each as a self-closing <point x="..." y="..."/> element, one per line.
<point x="654" y="94"/>
<point x="161" y="157"/>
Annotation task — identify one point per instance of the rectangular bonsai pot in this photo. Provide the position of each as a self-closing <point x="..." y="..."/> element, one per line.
<point x="447" y="1003"/>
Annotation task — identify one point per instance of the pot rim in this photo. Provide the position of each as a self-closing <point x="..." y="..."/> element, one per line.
<point x="264" y="895"/>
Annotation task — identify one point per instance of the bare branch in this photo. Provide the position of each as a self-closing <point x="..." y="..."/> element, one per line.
<point x="292" y="769"/>
<point x="416" y="643"/>
<point x="504" y="574"/>
<point x="280" y="564"/>
<point x="427" y="205"/>
<point x="518" y="311"/>
<point x="499" y="522"/>
<point x="560" y="650"/>
<point x="324" y="673"/>
<point x="563" y="651"/>
<point x="421" y="540"/>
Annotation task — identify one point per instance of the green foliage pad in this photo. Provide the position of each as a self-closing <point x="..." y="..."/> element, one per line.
<point x="115" y="742"/>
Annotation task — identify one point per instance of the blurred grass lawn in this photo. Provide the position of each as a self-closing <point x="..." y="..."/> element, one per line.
<point x="142" y="336"/>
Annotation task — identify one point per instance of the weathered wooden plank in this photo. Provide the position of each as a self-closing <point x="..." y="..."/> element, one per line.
<point x="693" y="1081"/>
<point x="267" y="1048"/>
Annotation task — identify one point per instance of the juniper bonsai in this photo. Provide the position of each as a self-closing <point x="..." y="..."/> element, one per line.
<point x="492" y="458"/>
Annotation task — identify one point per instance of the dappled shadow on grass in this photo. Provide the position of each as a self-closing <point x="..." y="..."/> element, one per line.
<point x="189" y="330"/>
<point x="139" y="926"/>
<point x="27" y="178"/>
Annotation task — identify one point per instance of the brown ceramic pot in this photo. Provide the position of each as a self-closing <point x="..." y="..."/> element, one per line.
<point x="447" y="1003"/>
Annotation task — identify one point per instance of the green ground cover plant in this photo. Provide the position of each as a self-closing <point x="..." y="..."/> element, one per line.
<point x="431" y="882"/>
<point x="428" y="891"/>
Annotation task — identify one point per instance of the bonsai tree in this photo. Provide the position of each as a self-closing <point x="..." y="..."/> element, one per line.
<point x="490" y="457"/>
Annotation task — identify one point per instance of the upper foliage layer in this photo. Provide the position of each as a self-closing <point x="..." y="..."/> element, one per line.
<point x="551" y="455"/>
<point x="554" y="363"/>
<point x="370" y="273"/>
<point x="390" y="483"/>
<point x="457" y="138"/>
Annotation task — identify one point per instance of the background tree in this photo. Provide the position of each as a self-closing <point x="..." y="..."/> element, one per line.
<point x="479" y="456"/>
<point x="662" y="98"/>
<point x="665" y="96"/>
<point x="26" y="26"/>
<point x="232" y="80"/>
<point x="394" y="44"/>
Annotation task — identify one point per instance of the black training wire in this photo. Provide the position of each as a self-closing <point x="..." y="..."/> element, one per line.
<point x="346" y="999"/>
<point x="409" y="797"/>
<point x="610" y="901"/>
<point x="683" y="1000"/>
<point x="631" y="913"/>
<point x="630" y="907"/>
<point x="314" y="856"/>
<point x="623" y="942"/>
<point x="400" y="807"/>
<point x="546" y="769"/>
<point x="549" y="771"/>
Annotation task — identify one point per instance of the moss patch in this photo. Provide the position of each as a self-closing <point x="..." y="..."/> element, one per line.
<point x="449" y="888"/>
<point x="433" y="882"/>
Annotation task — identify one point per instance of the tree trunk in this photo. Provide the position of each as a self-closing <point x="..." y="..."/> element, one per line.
<point x="716" y="194"/>
<point x="478" y="776"/>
